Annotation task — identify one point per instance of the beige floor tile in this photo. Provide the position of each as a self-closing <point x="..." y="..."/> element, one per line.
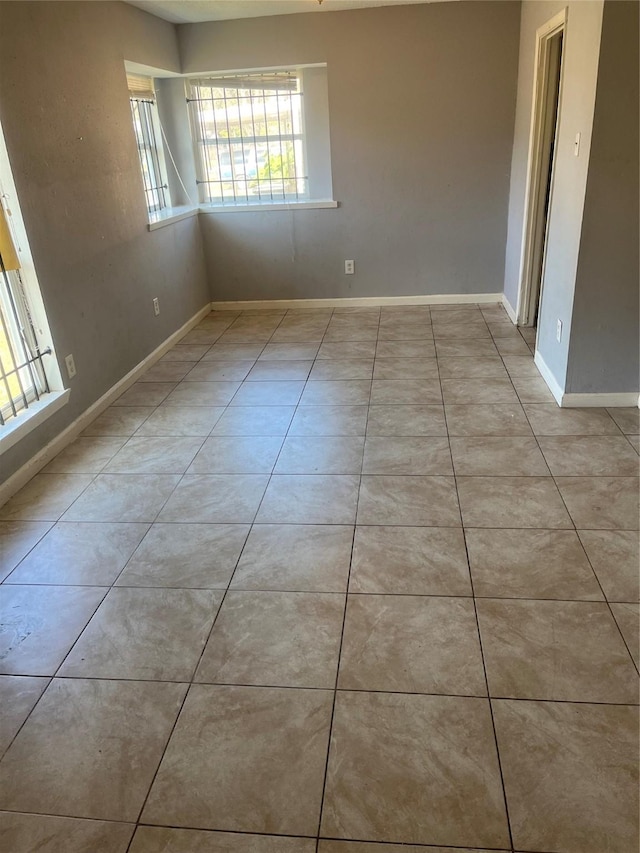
<point x="245" y="759"/>
<point x="90" y="748"/>
<point x="39" y="624"/>
<point x="18" y="695"/>
<point x="403" y="331"/>
<point x="512" y="346"/>
<point x="423" y="501"/>
<point x="511" y="502"/>
<point x="155" y="455"/>
<point x="615" y="557"/>
<point x="45" y="497"/>
<point x="471" y="368"/>
<point x="549" y="419"/>
<point x="498" y="456"/>
<point x="255" y="420"/>
<point x="234" y="352"/>
<point x="627" y="418"/>
<point x="460" y="331"/>
<point x="407" y="455"/>
<point x="634" y="441"/>
<point x="24" y="833"/>
<point x="279" y="370"/>
<point x="202" y="394"/>
<point x="145" y="634"/>
<point x="414" y="769"/>
<point x="284" y="639"/>
<point x="558" y="650"/>
<point x="346" y="368"/>
<point x="478" y="391"/>
<point x="405" y="368"/>
<point x="321" y="455"/>
<point x="530" y="564"/>
<point x="18" y="538"/>
<point x="185" y="352"/>
<point x="220" y="371"/>
<point x="532" y="389"/>
<point x="376" y="847"/>
<point x="299" y="558"/>
<point x="601" y="503"/>
<point x="475" y="348"/>
<point x="628" y="618"/>
<point x="236" y="454"/>
<point x="570" y="775"/>
<point x="412" y="644"/>
<point x="168" y="371"/>
<point x="201" y="336"/>
<point x="123" y="497"/>
<point x="345" y="328"/>
<point x="347" y="349"/>
<point x="499" y="419"/>
<point x="405" y="349"/>
<point x="336" y="392"/>
<point x="87" y="455"/>
<point x="157" y="839"/>
<point x="199" y="556"/>
<point x="329" y="420"/>
<point x="310" y="499"/>
<point x="406" y="420"/>
<point x="590" y="456"/>
<point x="119" y="420"/>
<point x="410" y="561"/>
<point x="521" y="366"/>
<point x="216" y="498"/>
<point x="172" y="421"/>
<point x="80" y="553"/>
<point x="288" y="352"/>
<point x="275" y="393"/>
<point x="411" y="392"/>
<point x="145" y="394"/>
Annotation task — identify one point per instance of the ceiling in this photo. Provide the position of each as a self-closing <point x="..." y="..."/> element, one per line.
<point x="197" y="11"/>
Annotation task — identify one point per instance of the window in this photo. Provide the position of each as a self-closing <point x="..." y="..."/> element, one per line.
<point x="22" y="376"/>
<point x="251" y="135"/>
<point x="147" y="129"/>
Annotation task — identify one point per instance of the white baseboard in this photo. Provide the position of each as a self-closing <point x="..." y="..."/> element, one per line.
<point x="628" y="399"/>
<point x="549" y="378"/>
<point x="22" y="476"/>
<point x="509" y="309"/>
<point x="362" y="301"/>
<point x="580" y="401"/>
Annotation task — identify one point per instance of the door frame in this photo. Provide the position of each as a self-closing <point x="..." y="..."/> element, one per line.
<point x="528" y="293"/>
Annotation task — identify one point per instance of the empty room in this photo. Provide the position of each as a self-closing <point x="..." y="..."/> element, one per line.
<point x="319" y="426"/>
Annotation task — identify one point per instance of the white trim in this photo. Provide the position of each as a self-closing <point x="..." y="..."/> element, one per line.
<point x="361" y="301"/>
<point x="508" y="307"/>
<point x="623" y="398"/>
<point x="548" y="377"/>
<point x="169" y="215"/>
<point x="28" y="419"/>
<point x="580" y="401"/>
<point x="22" y="476"/>
<point x="241" y="207"/>
<point x="536" y="138"/>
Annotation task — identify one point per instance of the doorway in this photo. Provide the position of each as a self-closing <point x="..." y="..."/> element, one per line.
<point x="542" y="148"/>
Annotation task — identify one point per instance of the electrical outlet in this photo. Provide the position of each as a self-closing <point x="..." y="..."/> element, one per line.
<point x="559" y="331"/>
<point x="156" y="306"/>
<point x="71" y="366"/>
<point x="349" y="267"/>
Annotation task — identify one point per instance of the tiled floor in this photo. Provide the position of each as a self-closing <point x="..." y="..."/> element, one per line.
<point x="330" y="580"/>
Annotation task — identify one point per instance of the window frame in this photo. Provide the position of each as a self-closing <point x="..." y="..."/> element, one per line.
<point x="148" y="136"/>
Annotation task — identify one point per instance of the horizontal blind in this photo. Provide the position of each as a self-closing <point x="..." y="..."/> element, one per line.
<point x="140" y="88"/>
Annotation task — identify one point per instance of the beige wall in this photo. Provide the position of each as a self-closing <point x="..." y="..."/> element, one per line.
<point x="579" y="77"/>
<point x="65" y="113"/>
<point x="421" y="105"/>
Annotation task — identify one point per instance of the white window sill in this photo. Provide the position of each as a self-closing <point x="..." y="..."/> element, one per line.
<point x="243" y="207"/>
<point x="27" y="420"/>
<point x="170" y="215"/>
